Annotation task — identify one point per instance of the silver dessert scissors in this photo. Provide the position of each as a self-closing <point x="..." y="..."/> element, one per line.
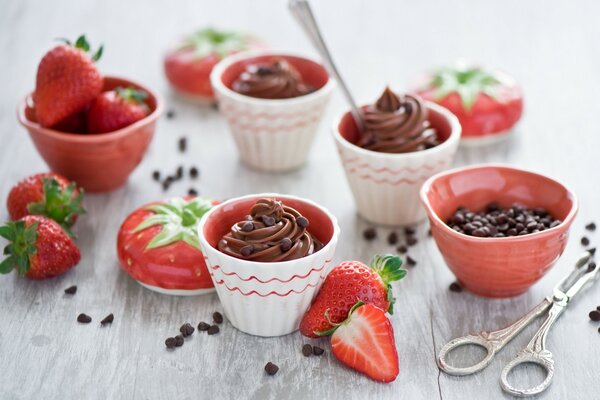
<point x="536" y="351"/>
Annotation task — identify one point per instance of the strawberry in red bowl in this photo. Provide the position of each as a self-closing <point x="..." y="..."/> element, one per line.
<point x="158" y="246"/>
<point x="188" y="64"/>
<point x="116" y="109"/>
<point x="488" y="103"/>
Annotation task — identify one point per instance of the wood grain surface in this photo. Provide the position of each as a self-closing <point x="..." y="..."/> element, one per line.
<point x="550" y="46"/>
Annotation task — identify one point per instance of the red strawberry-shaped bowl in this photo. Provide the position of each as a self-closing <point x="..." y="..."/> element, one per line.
<point x="98" y="163"/>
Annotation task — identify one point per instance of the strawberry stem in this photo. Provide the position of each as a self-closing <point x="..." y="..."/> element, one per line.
<point x="388" y="267"/>
<point x="132" y="94"/>
<point x="82" y="44"/>
<point x="22" y="245"/>
<point x="337" y="325"/>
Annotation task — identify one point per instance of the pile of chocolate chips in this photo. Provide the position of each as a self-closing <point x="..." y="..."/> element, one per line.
<point x="496" y="221"/>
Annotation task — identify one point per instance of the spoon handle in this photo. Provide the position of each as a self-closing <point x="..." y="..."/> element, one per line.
<point x="305" y="17"/>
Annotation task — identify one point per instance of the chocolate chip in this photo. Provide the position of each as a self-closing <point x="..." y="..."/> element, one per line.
<point x="186" y="329"/>
<point x="307" y="350"/>
<point x="203" y="326"/>
<point x="595" y="315"/>
<point x="71" y="289"/>
<point x="108" y="319"/>
<point x="555" y="223"/>
<point x="592" y="250"/>
<point x="268" y="220"/>
<point x="248" y="226"/>
<point x="192" y="192"/>
<point x="182" y="144"/>
<point x="370" y="234"/>
<point x="411" y="240"/>
<point x="217" y="317"/>
<point x="429" y="233"/>
<point x="401" y="249"/>
<point x="302" y="222"/>
<point x="392" y="238"/>
<point x="171" y="342"/>
<point x="178" y="341"/>
<point x="411" y="262"/>
<point x="271" y="368"/>
<point x="165" y="185"/>
<point x="84" y="319"/>
<point x="585" y="241"/>
<point x="317" y="351"/>
<point x="170" y="114"/>
<point x="213" y="330"/>
<point x="455" y="287"/>
<point x="286" y="244"/>
<point x="247" y="250"/>
<point x="409" y="231"/>
<point x="591" y="226"/>
<point x="179" y="172"/>
<point x="591" y="266"/>
<point x="194" y="172"/>
<point x="156" y="175"/>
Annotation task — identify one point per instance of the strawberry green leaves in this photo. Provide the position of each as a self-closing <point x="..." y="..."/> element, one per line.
<point x="466" y="82"/>
<point x="132" y="94"/>
<point x="179" y="220"/>
<point x="388" y="267"/>
<point x="60" y="204"/>
<point x="82" y="44"/>
<point x="22" y="245"/>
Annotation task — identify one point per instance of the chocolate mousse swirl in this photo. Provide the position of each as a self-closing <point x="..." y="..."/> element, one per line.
<point x="276" y="79"/>
<point x="397" y="124"/>
<point x="272" y="232"/>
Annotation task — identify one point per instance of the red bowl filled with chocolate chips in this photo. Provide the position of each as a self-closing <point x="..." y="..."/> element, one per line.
<point x="499" y="229"/>
<point x="268" y="255"/>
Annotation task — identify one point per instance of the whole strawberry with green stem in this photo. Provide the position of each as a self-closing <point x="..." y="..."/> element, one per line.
<point x="48" y="194"/>
<point x="39" y="248"/>
<point x="116" y="109"/>
<point x="67" y="80"/>
<point x="347" y="283"/>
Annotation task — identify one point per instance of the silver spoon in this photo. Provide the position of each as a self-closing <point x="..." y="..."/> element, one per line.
<point x="305" y="17"/>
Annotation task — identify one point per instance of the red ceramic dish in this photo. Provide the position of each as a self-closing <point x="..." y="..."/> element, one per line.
<point x="497" y="267"/>
<point x="98" y="163"/>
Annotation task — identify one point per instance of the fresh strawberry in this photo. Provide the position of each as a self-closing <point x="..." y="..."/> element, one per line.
<point x="46" y="194"/>
<point x="348" y="282"/>
<point x="67" y="80"/>
<point x="365" y="342"/>
<point x="76" y="123"/>
<point x="484" y="101"/>
<point x="117" y="109"/>
<point x="39" y="248"/>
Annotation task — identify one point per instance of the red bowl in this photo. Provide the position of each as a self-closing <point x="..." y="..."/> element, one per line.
<point x="101" y="162"/>
<point x="497" y="267"/>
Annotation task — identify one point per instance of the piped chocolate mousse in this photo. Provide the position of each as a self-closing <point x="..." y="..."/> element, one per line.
<point x="276" y="79"/>
<point x="271" y="232"/>
<point x="397" y="124"/>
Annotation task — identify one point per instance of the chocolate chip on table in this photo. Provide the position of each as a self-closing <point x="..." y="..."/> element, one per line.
<point x="178" y="341"/>
<point x="171" y="343"/>
<point x="156" y="175"/>
<point x="186" y="329"/>
<point x="286" y="244"/>
<point x="213" y="330"/>
<point x="217" y="317"/>
<point x="411" y="262"/>
<point x="271" y="368"/>
<point x="411" y="240"/>
<point x="268" y="220"/>
<point x="370" y="234"/>
<point x="170" y="114"/>
<point x="192" y="192"/>
<point x="592" y="251"/>
<point x="302" y="222"/>
<point x="71" y="289"/>
<point x="402" y="249"/>
<point x="165" y="185"/>
<point x="595" y="315"/>
<point x="455" y="287"/>
<point x="179" y="172"/>
<point x="182" y="144"/>
<point x="591" y="266"/>
<point x="591" y="226"/>
<point x="307" y="350"/>
<point x="203" y="326"/>
<point x="429" y="233"/>
<point x="585" y="241"/>
<point x="194" y="172"/>
<point x="84" y="319"/>
<point x="408" y="231"/>
<point x="317" y="351"/>
<point x="392" y="238"/>
<point x="108" y="319"/>
<point x="247" y="250"/>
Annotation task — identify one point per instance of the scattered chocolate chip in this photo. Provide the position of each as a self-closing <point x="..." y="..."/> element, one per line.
<point x="186" y="329"/>
<point x="179" y="172"/>
<point x="156" y="175"/>
<point x="411" y="240"/>
<point x="171" y="342"/>
<point x="592" y="251"/>
<point x="455" y="287"/>
<point x="370" y="234"/>
<point x="595" y="315"/>
<point x="411" y="262"/>
<point x="591" y="266"/>
<point x="218" y="317"/>
<point x="194" y="172"/>
<point x="248" y="226"/>
<point x="182" y="144"/>
<point x="213" y="330"/>
<point x="585" y="241"/>
<point x="307" y="350"/>
<point x="598" y="330"/>
<point x="108" y="319"/>
<point x="178" y="341"/>
<point x="317" y="351"/>
<point x="170" y="114"/>
<point x="165" y="185"/>
<point x="302" y="222"/>
<point x="84" y="319"/>
<point x="214" y="106"/>
<point x="429" y="233"/>
<point x="591" y="226"/>
<point x="409" y="231"/>
<point x="268" y="220"/>
<point x="271" y="368"/>
<point x="286" y="244"/>
<point x="392" y="238"/>
<point x="71" y="289"/>
<point x="192" y="192"/>
<point x="203" y="326"/>
<point x="247" y="250"/>
<point x="402" y="249"/>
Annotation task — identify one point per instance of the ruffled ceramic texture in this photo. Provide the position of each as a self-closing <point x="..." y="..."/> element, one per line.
<point x="277" y="137"/>
<point x="268" y="299"/>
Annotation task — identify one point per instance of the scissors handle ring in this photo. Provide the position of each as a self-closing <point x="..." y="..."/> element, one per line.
<point x="476" y="340"/>
<point x="542" y="358"/>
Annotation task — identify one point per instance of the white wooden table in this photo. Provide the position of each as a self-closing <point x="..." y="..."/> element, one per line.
<point x="551" y="47"/>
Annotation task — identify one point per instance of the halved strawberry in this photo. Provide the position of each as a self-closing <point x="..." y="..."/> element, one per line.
<point x="365" y="342"/>
<point x="348" y="282"/>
